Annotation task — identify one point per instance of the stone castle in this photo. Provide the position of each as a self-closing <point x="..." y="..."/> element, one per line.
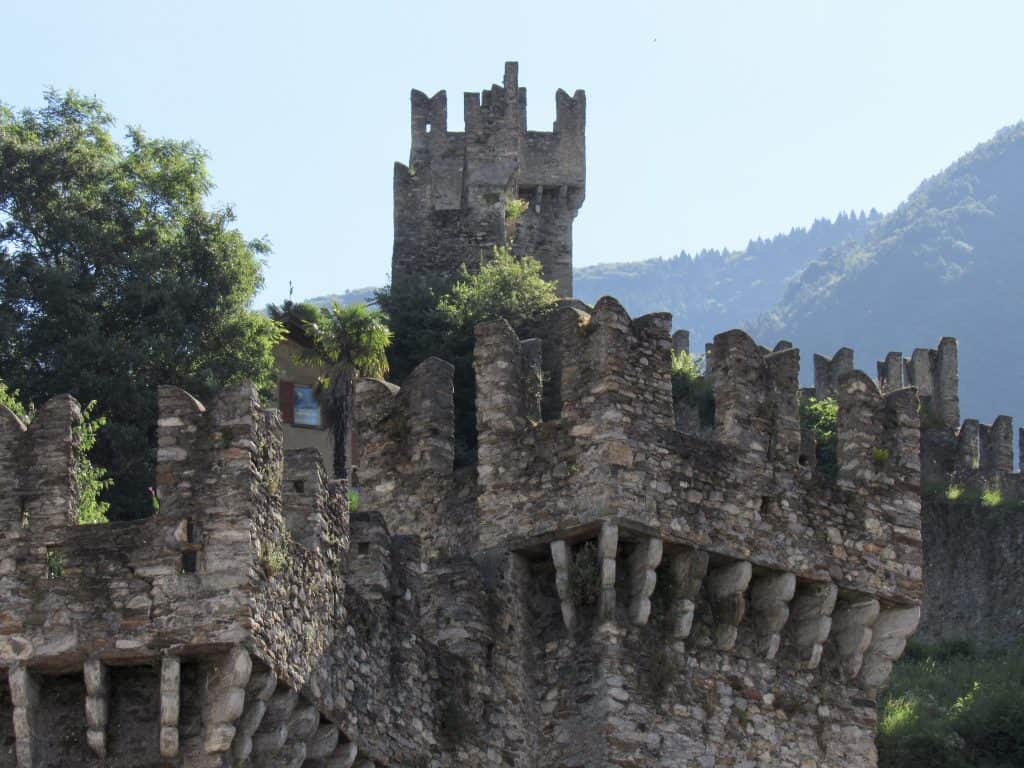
<point x="610" y="584"/>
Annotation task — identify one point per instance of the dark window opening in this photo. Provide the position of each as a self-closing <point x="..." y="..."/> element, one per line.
<point x="300" y="486"/>
<point x="190" y="557"/>
<point x="363" y="548"/>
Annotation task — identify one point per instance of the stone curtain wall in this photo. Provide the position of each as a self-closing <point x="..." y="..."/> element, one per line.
<point x="677" y="599"/>
<point x="614" y="454"/>
<point x="600" y="589"/>
<point x="974" y="543"/>
<point x="971" y="513"/>
<point x="974" y="572"/>
<point x="218" y="631"/>
<point x="973" y="520"/>
<point x="681" y="600"/>
<point x="450" y="200"/>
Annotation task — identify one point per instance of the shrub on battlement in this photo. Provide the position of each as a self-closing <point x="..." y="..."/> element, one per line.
<point x="821" y="416"/>
<point x="691" y="386"/>
<point x="12" y="400"/>
<point x="505" y="286"/>
<point x="90" y="479"/>
<point x="969" y="495"/>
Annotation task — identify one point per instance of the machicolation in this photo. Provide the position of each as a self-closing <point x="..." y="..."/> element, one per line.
<point x="611" y="583"/>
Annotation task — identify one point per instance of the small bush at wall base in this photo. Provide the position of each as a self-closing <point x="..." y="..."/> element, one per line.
<point x="950" y="706"/>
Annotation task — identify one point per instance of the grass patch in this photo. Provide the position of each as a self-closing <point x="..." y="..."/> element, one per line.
<point x="951" y="706"/>
<point x="966" y="496"/>
<point x="879" y="457"/>
<point x="274" y="558"/>
<point x="991" y="497"/>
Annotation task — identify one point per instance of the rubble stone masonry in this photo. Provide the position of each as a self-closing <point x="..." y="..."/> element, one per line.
<point x="611" y="583"/>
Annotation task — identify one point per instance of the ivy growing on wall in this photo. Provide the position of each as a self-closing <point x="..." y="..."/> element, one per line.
<point x="90" y="480"/>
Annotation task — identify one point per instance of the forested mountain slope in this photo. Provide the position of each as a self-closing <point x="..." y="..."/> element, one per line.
<point x="948" y="261"/>
<point x="719" y="289"/>
<point x="714" y="291"/>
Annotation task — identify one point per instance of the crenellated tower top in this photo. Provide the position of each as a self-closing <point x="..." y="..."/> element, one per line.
<point x="450" y="201"/>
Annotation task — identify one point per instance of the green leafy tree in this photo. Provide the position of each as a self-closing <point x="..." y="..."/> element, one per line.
<point x="115" y="277"/>
<point x="90" y="479"/>
<point x="348" y="342"/>
<point x="12" y="401"/>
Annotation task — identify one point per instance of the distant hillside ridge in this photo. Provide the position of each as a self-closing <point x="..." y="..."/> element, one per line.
<point x="354" y="296"/>
<point x="710" y="292"/>
<point x="715" y="290"/>
<point x="949" y="261"/>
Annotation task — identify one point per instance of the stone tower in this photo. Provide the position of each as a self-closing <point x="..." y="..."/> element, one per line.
<point x="450" y="200"/>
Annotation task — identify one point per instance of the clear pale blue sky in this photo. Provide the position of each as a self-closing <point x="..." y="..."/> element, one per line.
<point x="709" y="123"/>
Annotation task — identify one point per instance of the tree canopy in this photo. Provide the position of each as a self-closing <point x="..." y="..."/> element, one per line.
<point x="115" y="277"/>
